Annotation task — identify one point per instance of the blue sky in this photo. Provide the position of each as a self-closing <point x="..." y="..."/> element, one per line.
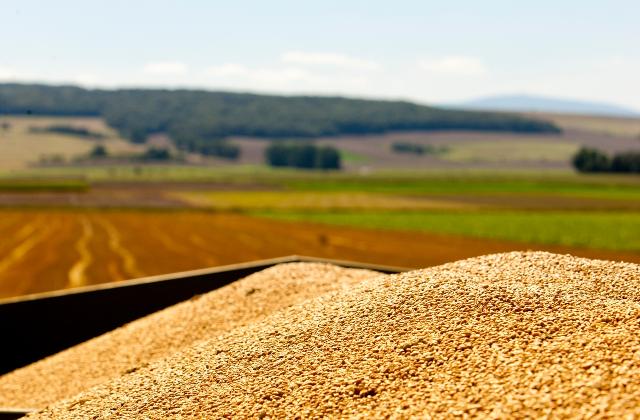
<point x="426" y="51"/>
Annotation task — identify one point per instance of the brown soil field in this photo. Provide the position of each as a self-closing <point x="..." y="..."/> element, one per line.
<point x="44" y="250"/>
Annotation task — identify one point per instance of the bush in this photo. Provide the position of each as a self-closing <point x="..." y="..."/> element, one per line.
<point x="401" y="147"/>
<point x="417" y="149"/>
<point x="98" y="152"/>
<point x="156" y="153"/>
<point x="591" y="160"/>
<point x="304" y="156"/>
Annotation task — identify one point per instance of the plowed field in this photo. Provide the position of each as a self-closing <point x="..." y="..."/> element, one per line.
<point x="43" y="250"/>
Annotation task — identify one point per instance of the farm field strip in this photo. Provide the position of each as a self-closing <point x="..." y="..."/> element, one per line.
<point x="618" y="231"/>
<point x="586" y="186"/>
<point x="249" y="200"/>
<point x="344" y="201"/>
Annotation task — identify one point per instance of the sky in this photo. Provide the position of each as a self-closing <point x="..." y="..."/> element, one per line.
<point x="423" y="51"/>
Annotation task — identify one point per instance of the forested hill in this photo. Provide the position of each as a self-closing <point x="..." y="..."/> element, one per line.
<point x="193" y="117"/>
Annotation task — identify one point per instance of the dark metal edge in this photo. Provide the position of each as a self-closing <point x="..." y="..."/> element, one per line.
<point x="14" y="413"/>
<point x="35" y="326"/>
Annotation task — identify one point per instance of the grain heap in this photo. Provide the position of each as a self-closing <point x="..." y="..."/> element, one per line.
<point x="524" y="334"/>
<point x="165" y="332"/>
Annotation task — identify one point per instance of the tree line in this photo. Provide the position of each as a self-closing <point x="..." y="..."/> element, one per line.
<point x="302" y="155"/>
<point x="69" y="130"/>
<point x="417" y="149"/>
<point x="197" y="119"/>
<point x="594" y="160"/>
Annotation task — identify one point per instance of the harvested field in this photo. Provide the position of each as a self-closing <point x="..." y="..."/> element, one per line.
<point x="21" y="148"/>
<point x="141" y="342"/>
<point x="603" y="125"/>
<point x="524" y="335"/>
<point x="45" y="250"/>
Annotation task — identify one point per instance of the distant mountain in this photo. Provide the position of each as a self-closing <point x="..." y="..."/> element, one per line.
<point x="531" y="103"/>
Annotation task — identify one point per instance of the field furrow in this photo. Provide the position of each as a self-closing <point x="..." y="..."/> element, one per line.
<point x="107" y="266"/>
<point x="77" y="273"/>
<point x="22" y="227"/>
<point x="38" y="262"/>
<point x="115" y="243"/>
<point x="28" y="236"/>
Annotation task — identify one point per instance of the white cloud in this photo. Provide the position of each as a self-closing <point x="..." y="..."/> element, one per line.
<point x="283" y="79"/>
<point x="7" y="73"/>
<point x="454" y="65"/>
<point x="87" y="79"/>
<point x="328" y="59"/>
<point x="297" y="72"/>
<point x="227" y="70"/>
<point x="165" y="68"/>
<point x="274" y="76"/>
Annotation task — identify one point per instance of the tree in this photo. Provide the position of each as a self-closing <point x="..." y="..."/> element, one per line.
<point x="303" y="156"/>
<point x="277" y="154"/>
<point x="328" y="158"/>
<point x="626" y="162"/>
<point x="591" y="160"/>
<point x="403" y="147"/>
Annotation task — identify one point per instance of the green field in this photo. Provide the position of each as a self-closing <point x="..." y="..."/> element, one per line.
<point x="599" y="230"/>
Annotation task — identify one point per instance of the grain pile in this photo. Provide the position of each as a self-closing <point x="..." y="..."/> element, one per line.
<point x="517" y="334"/>
<point x="165" y="332"/>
